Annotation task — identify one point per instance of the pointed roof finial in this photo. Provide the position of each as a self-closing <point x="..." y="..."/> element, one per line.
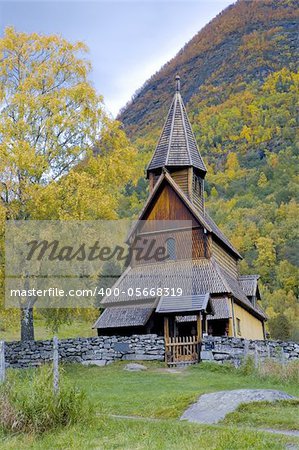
<point x="178" y="83"/>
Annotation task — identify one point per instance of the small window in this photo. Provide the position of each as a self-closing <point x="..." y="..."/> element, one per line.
<point x="239" y="326"/>
<point x="199" y="188"/>
<point x="197" y="185"/>
<point x="170" y="247"/>
<point x="253" y="300"/>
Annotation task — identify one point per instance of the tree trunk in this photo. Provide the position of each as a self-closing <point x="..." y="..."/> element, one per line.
<point x="27" y="327"/>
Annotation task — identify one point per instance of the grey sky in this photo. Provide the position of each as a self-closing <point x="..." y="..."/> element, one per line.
<point x="128" y="40"/>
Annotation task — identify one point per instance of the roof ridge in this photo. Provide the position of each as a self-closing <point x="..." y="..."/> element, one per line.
<point x="194" y="139"/>
<point x="221" y="235"/>
<point x="256" y="276"/>
<point x="161" y="133"/>
<point x="184" y="126"/>
<point x="223" y="279"/>
<point x="175" y="101"/>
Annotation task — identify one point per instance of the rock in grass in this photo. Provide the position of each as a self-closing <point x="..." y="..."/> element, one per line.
<point x="134" y="367"/>
<point x="95" y="362"/>
<point x="213" y="407"/>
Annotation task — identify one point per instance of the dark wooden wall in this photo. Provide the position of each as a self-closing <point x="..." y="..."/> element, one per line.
<point x="168" y="206"/>
<point x="164" y="220"/>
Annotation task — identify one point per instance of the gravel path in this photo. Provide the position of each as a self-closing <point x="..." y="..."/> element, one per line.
<point x="211" y="408"/>
<point x="285" y="432"/>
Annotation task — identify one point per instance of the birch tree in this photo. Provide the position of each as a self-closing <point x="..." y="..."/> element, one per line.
<point x="50" y="117"/>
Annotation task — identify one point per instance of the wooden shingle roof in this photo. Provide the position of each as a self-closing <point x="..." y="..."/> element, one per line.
<point x="221" y="308"/>
<point x="177" y="145"/>
<point x="195" y="277"/>
<point x="123" y="317"/>
<point x="176" y="304"/>
<point x="249" y="284"/>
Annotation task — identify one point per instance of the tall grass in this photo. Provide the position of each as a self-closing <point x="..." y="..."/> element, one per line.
<point x="28" y="403"/>
<point x="272" y="369"/>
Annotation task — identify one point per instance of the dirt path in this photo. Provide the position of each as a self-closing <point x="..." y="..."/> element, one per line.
<point x="154" y="419"/>
<point x="285" y="432"/>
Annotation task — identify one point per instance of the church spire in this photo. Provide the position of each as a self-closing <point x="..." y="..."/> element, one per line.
<point x="177" y="145"/>
<point x="177" y="152"/>
<point x="178" y="83"/>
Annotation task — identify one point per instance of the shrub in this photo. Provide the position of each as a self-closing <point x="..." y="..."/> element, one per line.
<point x="28" y="403"/>
<point x="247" y="366"/>
<point x="280" y="327"/>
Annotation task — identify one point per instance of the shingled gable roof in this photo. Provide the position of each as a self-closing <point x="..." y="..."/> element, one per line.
<point x="187" y="303"/>
<point x="195" y="277"/>
<point x="205" y="220"/>
<point x="177" y="145"/>
<point x="123" y="317"/>
<point x="249" y="284"/>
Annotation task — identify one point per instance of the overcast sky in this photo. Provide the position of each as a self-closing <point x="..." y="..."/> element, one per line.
<point x="129" y="40"/>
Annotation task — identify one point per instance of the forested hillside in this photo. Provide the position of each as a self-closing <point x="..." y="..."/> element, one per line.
<point x="240" y="85"/>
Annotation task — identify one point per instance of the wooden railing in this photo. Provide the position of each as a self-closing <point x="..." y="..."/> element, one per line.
<point x="182" y="349"/>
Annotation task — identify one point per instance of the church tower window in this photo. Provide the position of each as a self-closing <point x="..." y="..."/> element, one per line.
<point x="171" y="248"/>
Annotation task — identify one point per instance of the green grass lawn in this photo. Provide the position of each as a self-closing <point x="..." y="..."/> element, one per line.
<point x="283" y="415"/>
<point x="157" y="393"/>
<point x="133" y="435"/>
<point x="161" y="395"/>
<point x="78" y="328"/>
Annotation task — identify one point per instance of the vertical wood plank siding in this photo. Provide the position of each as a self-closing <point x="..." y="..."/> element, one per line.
<point x="197" y="192"/>
<point x="181" y="179"/>
<point x="168" y="206"/>
<point x="224" y="259"/>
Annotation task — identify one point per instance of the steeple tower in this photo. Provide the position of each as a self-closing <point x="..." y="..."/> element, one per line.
<point x="177" y="152"/>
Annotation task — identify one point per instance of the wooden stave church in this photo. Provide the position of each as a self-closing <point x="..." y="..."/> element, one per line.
<point x="225" y="303"/>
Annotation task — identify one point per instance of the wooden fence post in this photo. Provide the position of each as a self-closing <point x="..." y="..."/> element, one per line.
<point x="246" y="349"/>
<point x="283" y="360"/>
<point x="55" y="366"/>
<point x="2" y="362"/>
<point x="256" y="357"/>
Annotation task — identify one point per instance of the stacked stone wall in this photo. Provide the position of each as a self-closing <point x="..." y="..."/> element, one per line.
<point x="105" y="349"/>
<point x="100" y="350"/>
<point x="221" y="349"/>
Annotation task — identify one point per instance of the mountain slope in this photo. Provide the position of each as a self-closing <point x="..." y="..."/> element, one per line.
<point x="245" y="42"/>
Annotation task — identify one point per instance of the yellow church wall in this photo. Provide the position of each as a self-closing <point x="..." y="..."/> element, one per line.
<point x="250" y="326"/>
<point x="230" y="327"/>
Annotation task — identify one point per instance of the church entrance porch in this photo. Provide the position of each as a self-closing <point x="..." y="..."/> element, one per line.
<point x="182" y="340"/>
<point x="184" y="317"/>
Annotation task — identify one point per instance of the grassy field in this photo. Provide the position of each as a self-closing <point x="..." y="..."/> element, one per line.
<point x="78" y="328"/>
<point x="281" y="415"/>
<point x="158" y="398"/>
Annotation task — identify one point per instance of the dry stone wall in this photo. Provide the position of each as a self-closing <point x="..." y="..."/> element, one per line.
<point x="222" y="349"/>
<point x="95" y="350"/>
<point x="105" y="349"/>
